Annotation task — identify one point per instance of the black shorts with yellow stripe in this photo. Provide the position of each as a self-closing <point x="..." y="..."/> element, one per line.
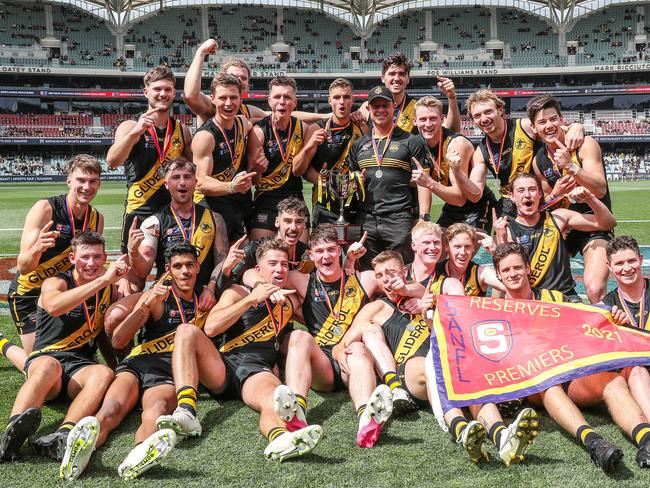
<point x="71" y="363"/>
<point x="241" y="365"/>
<point x="576" y="240"/>
<point x="149" y="369"/>
<point x="339" y="385"/>
<point x="23" y="311"/>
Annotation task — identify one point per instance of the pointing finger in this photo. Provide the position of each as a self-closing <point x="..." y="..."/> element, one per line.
<point x="363" y="238"/>
<point x="47" y="226"/>
<point x="416" y="162"/>
<point x="134" y="224"/>
<point x="240" y="241"/>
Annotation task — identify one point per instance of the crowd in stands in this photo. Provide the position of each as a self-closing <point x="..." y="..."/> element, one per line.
<point x="21" y="165"/>
<point x="320" y="43"/>
<point x="627" y="165"/>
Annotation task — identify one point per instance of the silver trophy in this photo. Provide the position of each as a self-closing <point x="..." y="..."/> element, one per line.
<point x="341" y="186"/>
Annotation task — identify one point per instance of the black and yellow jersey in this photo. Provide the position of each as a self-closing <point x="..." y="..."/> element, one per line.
<point x="546" y="295"/>
<point x="470" y="280"/>
<point x="614" y="297"/>
<point x="333" y="151"/>
<point x="436" y="162"/>
<point x="55" y="259"/>
<point x="199" y="227"/>
<point x="388" y="185"/>
<point x="261" y="328"/>
<point x="157" y="336"/>
<point x="330" y="308"/>
<point x="403" y="115"/>
<point x="75" y="330"/>
<point x="407" y="335"/>
<point x="146" y="191"/>
<point x="225" y="165"/>
<point x="298" y="260"/>
<point x="513" y="154"/>
<point x="548" y="256"/>
<point x="278" y="180"/>
<point x="552" y="174"/>
<point x="244" y="110"/>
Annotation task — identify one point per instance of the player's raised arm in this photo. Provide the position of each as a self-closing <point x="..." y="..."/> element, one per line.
<point x="197" y="101"/>
<point x="38" y="235"/>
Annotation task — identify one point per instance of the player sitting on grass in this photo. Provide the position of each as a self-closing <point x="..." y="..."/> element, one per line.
<point x="562" y="401"/>
<point x="146" y="373"/>
<point x="249" y="330"/>
<point x="396" y="336"/>
<point x="69" y="320"/>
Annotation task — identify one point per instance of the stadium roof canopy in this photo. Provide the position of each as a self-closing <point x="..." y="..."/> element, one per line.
<point x="361" y="15"/>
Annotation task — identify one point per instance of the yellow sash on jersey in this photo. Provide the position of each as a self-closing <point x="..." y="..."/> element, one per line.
<point x="322" y="196"/>
<point x="333" y="329"/>
<point x="245" y="111"/>
<point x="521" y="157"/>
<point x="406" y="119"/>
<point x="472" y="286"/>
<point x="280" y="175"/>
<point x="204" y="235"/>
<point x="551" y="296"/>
<point x="55" y="265"/>
<point x="229" y="173"/>
<point x="435" y="287"/>
<point x="164" y="343"/>
<point x="411" y="340"/>
<point x="263" y="331"/>
<point x="141" y="190"/>
<point x="85" y="334"/>
<point x="545" y="251"/>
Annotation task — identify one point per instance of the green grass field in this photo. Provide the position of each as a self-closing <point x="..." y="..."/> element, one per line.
<point x="412" y="451"/>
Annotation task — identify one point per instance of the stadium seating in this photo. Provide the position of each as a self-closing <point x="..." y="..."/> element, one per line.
<point x="318" y="42"/>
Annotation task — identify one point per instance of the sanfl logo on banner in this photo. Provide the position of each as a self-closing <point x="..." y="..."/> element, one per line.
<point x="492" y="339"/>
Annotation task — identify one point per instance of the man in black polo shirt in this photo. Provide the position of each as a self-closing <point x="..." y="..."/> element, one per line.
<point x="384" y="158"/>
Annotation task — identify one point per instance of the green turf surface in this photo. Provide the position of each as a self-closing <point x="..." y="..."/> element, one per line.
<point x="629" y="202"/>
<point x="412" y="451"/>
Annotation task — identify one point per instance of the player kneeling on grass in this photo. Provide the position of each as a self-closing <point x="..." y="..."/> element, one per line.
<point x="249" y="329"/>
<point x="397" y="336"/>
<point x="147" y="369"/>
<point x="69" y="322"/>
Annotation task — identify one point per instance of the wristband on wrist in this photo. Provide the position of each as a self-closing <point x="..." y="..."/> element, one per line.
<point x="574" y="169"/>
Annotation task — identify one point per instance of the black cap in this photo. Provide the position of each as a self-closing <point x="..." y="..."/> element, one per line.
<point x="380" y="92"/>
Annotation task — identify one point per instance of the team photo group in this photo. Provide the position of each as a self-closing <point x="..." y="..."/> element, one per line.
<point x="230" y="284"/>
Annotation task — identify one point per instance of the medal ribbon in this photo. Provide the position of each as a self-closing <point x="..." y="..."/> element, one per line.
<point x="68" y="210"/>
<point x="276" y="324"/>
<point x="186" y="236"/>
<point x="231" y="149"/>
<point x="278" y="139"/>
<point x="327" y="297"/>
<point x="91" y="323"/>
<point x="436" y="163"/>
<point x="638" y="324"/>
<point x="375" y="148"/>
<point x="399" y="112"/>
<point x="166" y="141"/>
<point x="496" y="164"/>
<point x="328" y="127"/>
<point x="181" y="309"/>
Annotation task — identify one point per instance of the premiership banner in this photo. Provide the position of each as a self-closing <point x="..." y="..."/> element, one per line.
<point x="494" y="349"/>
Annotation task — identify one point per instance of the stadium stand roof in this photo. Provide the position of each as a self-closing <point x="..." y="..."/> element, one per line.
<point x="361" y="15"/>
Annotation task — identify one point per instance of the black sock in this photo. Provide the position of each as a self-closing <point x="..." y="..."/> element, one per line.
<point x="457" y="425"/>
<point x="495" y="432"/>
<point x="65" y="427"/>
<point x="391" y="379"/>
<point x="186" y="398"/>
<point x="641" y="433"/>
<point x="5" y="344"/>
<point x="587" y="435"/>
